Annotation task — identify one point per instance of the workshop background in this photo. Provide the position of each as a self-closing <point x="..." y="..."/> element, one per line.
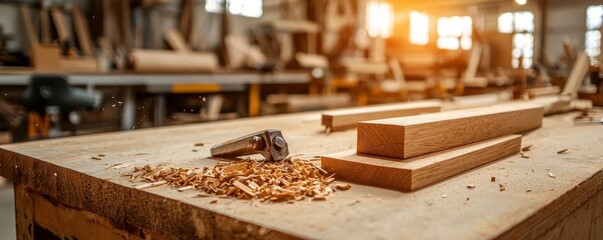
<point x="124" y="65"/>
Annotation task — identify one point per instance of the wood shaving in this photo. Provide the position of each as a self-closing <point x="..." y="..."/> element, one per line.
<point x="342" y="187"/>
<point x="470" y="186"/>
<point x="551" y="175"/>
<point x="526" y="148"/>
<point x="148" y="185"/>
<point x="118" y="166"/>
<point x="282" y="181"/>
<point x="562" y="151"/>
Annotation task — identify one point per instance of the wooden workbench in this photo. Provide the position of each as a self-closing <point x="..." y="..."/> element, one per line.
<point x="61" y="191"/>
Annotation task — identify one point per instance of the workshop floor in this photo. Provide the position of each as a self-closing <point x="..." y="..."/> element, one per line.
<point x="7" y="212"/>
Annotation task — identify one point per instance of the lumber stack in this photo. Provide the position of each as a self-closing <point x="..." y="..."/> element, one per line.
<point x="407" y="153"/>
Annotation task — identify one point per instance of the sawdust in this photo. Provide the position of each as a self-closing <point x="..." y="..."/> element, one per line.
<point x="282" y="181"/>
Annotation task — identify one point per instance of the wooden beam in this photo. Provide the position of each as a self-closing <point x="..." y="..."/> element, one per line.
<point x="59" y="24"/>
<point x="348" y="118"/>
<point x="412" y="174"/>
<point x="577" y="75"/>
<point x="160" y="61"/>
<point x="295" y="26"/>
<point x="413" y="136"/>
<point x="309" y="60"/>
<point x="45" y="26"/>
<point x="543" y="91"/>
<point x="29" y="26"/>
<point x="176" y="41"/>
<point x="82" y="31"/>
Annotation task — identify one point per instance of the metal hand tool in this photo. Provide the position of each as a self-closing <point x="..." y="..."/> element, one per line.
<point x="270" y="143"/>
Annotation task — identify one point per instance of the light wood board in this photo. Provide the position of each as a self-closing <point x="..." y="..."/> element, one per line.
<point x="29" y="26"/>
<point x="62" y="171"/>
<point x="82" y="32"/>
<point x="176" y="41"/>
<point x="411" y="136"/>
<point x="59" y="24"/>
<point x="169" y="61"/>
<point x="347" y="118"/>
<point x="414" y="173"/>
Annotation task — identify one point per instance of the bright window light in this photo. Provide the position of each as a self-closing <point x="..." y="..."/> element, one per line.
<point x="454" y="32"/>
<point x="247" y="8"/>
<point x="419" y="28"/>
<point x="521" y="24"/>
<point x="592" y="42"/>
<point x="505" y="23"/>
<point x="379" y="19"/>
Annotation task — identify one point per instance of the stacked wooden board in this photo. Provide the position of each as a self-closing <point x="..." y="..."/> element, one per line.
<point x="349" y="118"/>
<point x="411" y="152"/>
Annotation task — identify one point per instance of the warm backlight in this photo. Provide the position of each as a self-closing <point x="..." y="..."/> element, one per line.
<point x="419" y="28"/>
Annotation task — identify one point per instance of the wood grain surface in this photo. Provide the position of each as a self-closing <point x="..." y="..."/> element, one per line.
<point x="414" y="173"/>
<point x="531" y="206"/>
<point x="412" y="136"/>
<point x="347" y="118"/>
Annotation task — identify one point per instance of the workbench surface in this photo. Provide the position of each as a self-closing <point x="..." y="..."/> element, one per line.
<point x="545" y="195"/>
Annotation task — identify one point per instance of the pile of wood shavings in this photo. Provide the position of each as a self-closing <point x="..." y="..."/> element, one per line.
<point x="282" y="181"/>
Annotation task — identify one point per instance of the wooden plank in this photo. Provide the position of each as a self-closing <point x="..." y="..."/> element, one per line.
<point x="543" y="91"/>
<point x="169" y="61"/>
<point x="79" y="65"/>
<point x="295" y="26"/>
<point x="309" y="60"/>
<point x="414" y="173"/>
<point x="29" y="26"/>
<point x="59" y="24"/>
<point x="176" y="41"/>
<point x="361" y="66"/>
<point x="24" y="211"/>
<point x="45" y="31"/>
<point x="577" y="75"/>
<point x="65" y="222"/>
<point x="412" y="136"/>
<point x="46" y="58"/>
<point x="348" y="118"/>
<point x="186" y="19"/>
<point x="82" y="31"/>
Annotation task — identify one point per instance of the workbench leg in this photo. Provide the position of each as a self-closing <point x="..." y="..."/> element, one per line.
<point x="128" y="115"/>
<point x="314" y="88"/>
<point x="159" y="110"/>
<point x="24" y="212"/>
<point x="254" y="100"/>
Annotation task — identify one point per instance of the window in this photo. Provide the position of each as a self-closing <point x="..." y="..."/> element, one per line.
<point x="419" y="28"/>
<point x="454" y="32"/>
<point x="247" y="8"/>
<point x="592" y="44"/>
<point x="521" y="24"/>
<point x="379" y="19"/>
